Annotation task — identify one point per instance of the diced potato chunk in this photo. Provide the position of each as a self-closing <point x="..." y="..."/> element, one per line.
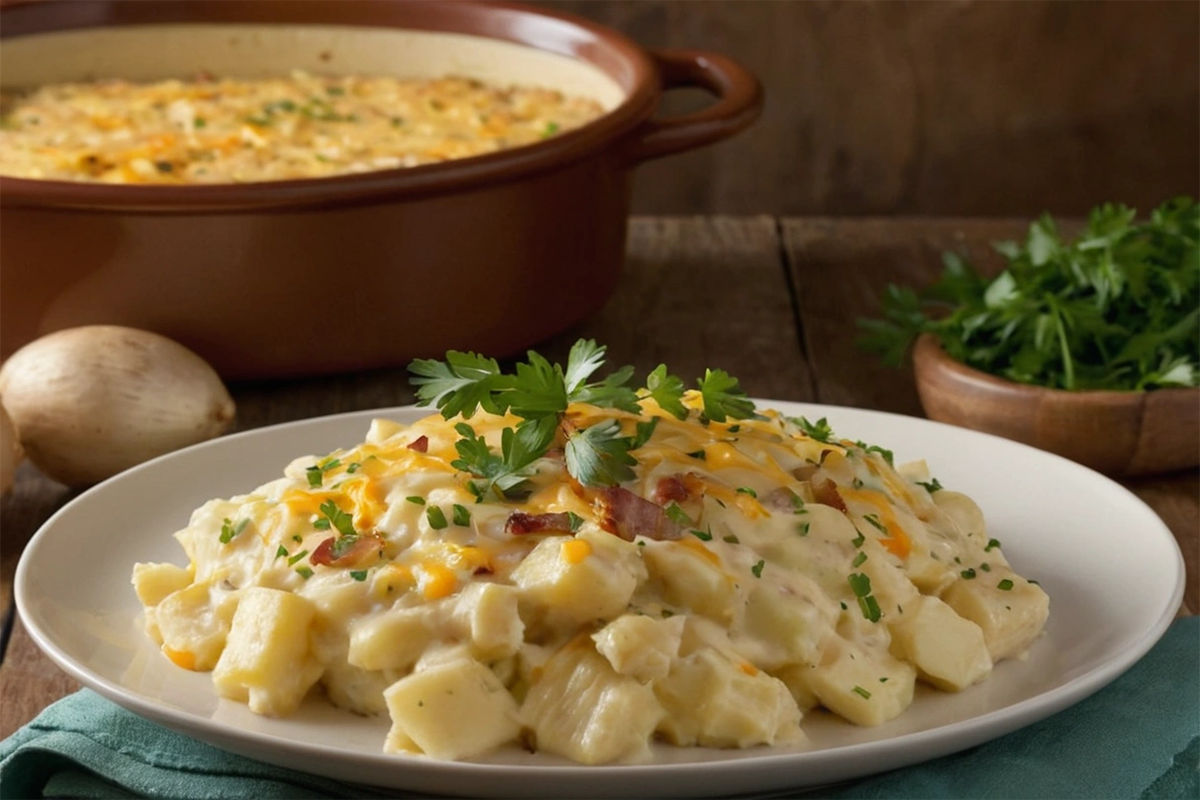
<point x="392" y="639"/>
<point x="715" y="699"/>
<point x="355" y="689"/>
<point x="189" y="624"/>
<point x="948" y="651"/>
<point x="579" y="707"/>
<point x="787" y="622"/>
<point x="640" y="647"/>
<point x="267" y="661"/>
<point x="488" y="614"/>
<point x="864" y="688"/>
<point x="566" y="591"/>
<point x="153" y="582"/>
<point x="454" y="709"/>
<point x="793" y="678"/>
<point x="691" y="577"/>
<point x="1010" y="619"/>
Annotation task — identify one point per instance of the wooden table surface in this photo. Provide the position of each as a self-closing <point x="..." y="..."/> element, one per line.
<point x="771" y="300"/>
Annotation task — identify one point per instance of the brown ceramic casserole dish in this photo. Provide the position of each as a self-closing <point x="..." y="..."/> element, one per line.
<point x="270" y="279"/>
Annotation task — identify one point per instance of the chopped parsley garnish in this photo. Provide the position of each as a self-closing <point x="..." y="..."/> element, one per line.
<point x="599" y="455"/>
<point x="1005" y="585"/>
<point x="857" y="541"/>
<point x="304" y="572"/>
<point x="678" y="516"/>
<point x="550" y="129"/>
<point x="229" y="531"/>
<point x="359" y="575"/>
<point x="199" y="122"/>
<point x="991" y="545"/>
<point x="857" y="483"/>
<point x="321" y="524"/>
<point x="461" y="516"/>
<point x="504" y="474"/>
<point x="883" y="680"/>
<point x="798" y="505"/>
<point x="818" y="431"/>
<point x="698" y="454"/>
<point x="704" y="536"/>
<point x="666" y="390"/>
<point x="758" y="568"/>
<point x="861" y="692"/>
<point x="858" y="560"/>
<point x="986" y="567"/>
<point x="932" y="485"/>
<point x="297" y="537"/>
<point x="539" y="393"/>
<point x="437" y="519"/>
<point x="734" y="428"/>
<point x="732" y="539"/>
<point x="845" y="607"/>
<point x="352" y="467"/>
<point x="643" y="433"/>
<point x="887" y="455"/>
<point x="292" y="561"/>
<point x="281" y="552"/>
<point x="802" y="529"/>
<point x="575" y="521"/>
<point x="342" y="522"/>
<point x="968" y="574"/>
<point x="316" y="473"/>
<point x="416" y="499"/>
<point x="723" y="396"/>
<point x="747" y="490"/>
<point x="874" y="520"/>
<point x="860" y="584"/>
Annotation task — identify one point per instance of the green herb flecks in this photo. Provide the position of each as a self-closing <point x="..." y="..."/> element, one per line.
<point x="230" y="531"/>
<point x="436" y="517"/>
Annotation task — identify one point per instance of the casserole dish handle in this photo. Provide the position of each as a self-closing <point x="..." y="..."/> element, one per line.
<point x="739" y="101"/>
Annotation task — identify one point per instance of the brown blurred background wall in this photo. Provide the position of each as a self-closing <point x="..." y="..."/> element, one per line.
<point x="972" y="107"/>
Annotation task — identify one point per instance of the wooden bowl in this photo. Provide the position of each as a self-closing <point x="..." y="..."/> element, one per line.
<point x="1118" y="433"/>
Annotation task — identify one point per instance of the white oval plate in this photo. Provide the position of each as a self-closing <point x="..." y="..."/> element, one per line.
<point x="1112" y="569"/>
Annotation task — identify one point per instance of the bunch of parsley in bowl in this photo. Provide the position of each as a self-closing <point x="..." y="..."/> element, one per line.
<point x="1088" y="347"/>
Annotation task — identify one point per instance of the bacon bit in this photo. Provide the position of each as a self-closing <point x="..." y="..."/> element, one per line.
<point x="521" y="523"/>
<point x="805" y="472"/>
<point x="624" y="514"/>
<point x="678" y="488"/>
<point x="362" y="549"/>
<point x="826" y="493"/>
<point x="420" y="444"/>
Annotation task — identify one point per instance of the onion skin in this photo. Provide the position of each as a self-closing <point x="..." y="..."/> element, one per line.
<point x="90" y="402"/>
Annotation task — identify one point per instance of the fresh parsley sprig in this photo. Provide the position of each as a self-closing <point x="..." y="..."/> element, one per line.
<point x="539" y="392"/>
<point x="1116" y="308"/>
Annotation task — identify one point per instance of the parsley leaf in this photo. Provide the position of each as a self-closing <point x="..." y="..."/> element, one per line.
<point x="1115" y="308"/>
<point x="459" y="385"/>
<point x="643" y="433"/>
<point x="610" y="392"/>
<point x="599" y="455"/>
<point x="932" y="485"/>
<point x="229" y="531"/>
<point x="817" y="431"/>
<point x="585" y="358"/>
<point x="342" y="522"/>
<point x="723" y="396"/>
<point x="666" y="390"/>
<point x="519" y="449"/>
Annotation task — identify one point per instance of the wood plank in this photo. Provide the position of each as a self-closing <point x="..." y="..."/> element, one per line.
<point x="696" y="293"/>
<point x="841" y="268"/>
<point x="912" y="107"/>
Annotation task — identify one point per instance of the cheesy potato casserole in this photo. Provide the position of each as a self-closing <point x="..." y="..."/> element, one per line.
<point x="583" y="569"/>
<point x="234" y="131"/>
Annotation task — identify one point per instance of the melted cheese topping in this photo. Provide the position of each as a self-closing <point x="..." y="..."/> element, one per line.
<point x="760" y="596"/>
<point x="234" y="131"/>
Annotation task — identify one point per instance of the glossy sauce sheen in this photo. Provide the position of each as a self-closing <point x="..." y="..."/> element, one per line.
<point x="763" y="603"/>
<point x="237" y="131"/>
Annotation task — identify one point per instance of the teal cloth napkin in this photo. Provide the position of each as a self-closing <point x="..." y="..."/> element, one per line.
<point x="1137" y="738"/>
